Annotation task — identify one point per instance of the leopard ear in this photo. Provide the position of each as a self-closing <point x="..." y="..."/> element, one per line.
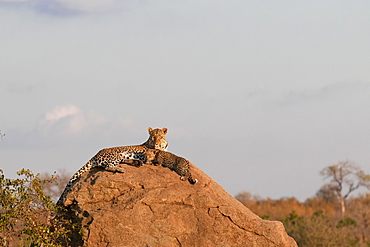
<point x="165" y="130"/>
<point x="150" y="129"/>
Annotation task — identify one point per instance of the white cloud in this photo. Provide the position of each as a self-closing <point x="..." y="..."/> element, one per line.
<point x="87" y="5"/>
<point x="60" y="112"/>
<point x="71" y="120"/>
<point x="331" y="91"/>
<point x="66" y="119"/>
<point x="66" y="7"/>
<point x="14" y="1"/>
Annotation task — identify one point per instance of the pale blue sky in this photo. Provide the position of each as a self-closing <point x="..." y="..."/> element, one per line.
<point x="261" y="95"/>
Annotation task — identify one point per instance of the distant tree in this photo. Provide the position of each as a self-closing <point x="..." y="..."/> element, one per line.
<point x="317" y="230"/>
<point x="345" y="177"/>
<point x="56" y="186"/>
<point x="331" y="208"/>
<point x="272" y="209"/>
<point x="327" y="194"/>
<point x="359" y="210"/>
<point x="1" y="134"/>
<point x="294" y="225"/>
<point x="245" y="197"/>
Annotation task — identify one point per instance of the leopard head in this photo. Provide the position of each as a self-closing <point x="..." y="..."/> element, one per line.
<point x="157" y="139"/>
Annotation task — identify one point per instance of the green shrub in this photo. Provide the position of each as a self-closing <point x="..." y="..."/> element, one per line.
<point x="27" y="215"/>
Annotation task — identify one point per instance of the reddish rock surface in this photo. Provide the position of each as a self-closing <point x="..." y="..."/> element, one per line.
<point x="150" y="206"/>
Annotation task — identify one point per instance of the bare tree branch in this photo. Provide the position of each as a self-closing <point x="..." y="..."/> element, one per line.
<point x="345" y="177"/>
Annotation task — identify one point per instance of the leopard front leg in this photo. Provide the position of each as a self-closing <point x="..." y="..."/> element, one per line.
<point x="115" y="169"/>
<point x="132" y="162"/>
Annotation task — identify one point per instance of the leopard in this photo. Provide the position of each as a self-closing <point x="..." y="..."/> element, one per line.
<point x="109" y="158"/>
<point x="176" y="163"/>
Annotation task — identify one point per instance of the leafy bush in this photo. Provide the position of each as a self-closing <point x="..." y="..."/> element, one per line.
<point x="318" y="230"/>
<point x="27" y="215"/>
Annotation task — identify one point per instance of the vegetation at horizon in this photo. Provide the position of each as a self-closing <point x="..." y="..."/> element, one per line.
<point x="330" y="218"/>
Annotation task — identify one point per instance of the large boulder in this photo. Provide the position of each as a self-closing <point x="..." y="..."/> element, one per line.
<point x="151" y="206"/>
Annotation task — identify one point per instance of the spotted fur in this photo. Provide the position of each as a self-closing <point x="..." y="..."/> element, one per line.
<point x="109" y="158"/>
<point x="176" y="163"/>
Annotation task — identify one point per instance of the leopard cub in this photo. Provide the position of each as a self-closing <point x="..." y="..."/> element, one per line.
<point x="176" y="163"/>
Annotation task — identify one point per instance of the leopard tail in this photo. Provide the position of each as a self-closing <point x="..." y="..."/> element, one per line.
<point x="72" y="181"/>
